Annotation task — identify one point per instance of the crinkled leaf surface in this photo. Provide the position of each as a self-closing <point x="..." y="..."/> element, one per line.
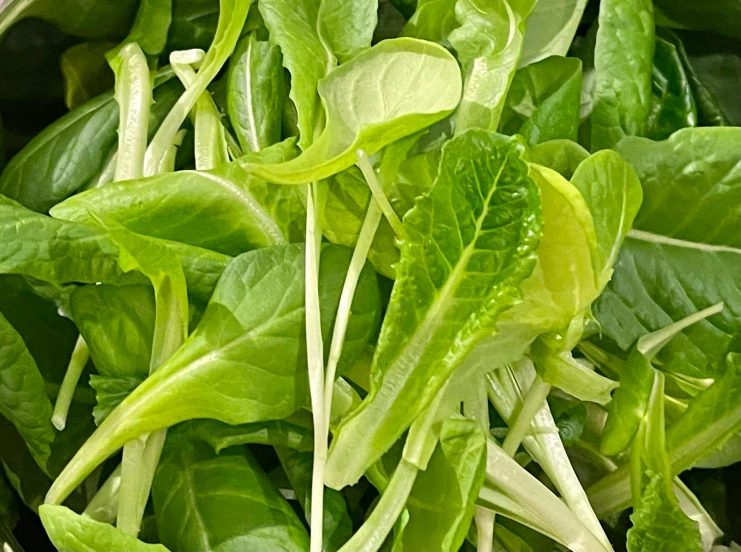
<point x="470" y="244"/>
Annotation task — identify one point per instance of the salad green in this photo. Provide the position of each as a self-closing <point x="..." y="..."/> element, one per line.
<point x="370" y="275"/>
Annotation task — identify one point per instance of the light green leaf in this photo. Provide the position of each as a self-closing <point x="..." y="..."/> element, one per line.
<point x="550" y="29"/>
<point x="471" y="242"/>
<point x="308" y="60"/>
<point x="206" y="502"/>
<point x="659" y="524"/>
<point x="380" y="96"/>
<point x="442" y="499"/>
<point x="432" y="20"/>
<point x="110" y="391"/>
<point x="563" y="156"/>
<point x="623" y="60"/>
<point x="613" y="193"/>
<point x="71" y="532"/>
<point x="86" y="72"/>
<point x="347" y="26"/>
<point x="544" y="101"/>
<point x="245" y="362"/>
<point x="226" y="209"/>
<point x="256" y="93"/>
<point x="23" y="399"/>
<point x="488" y="43"/>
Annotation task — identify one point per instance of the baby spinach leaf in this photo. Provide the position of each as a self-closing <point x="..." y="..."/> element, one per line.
<point x="256" y="93"/>
<point x="105" y="19"/>
<point x="245" y="362"/>
<point x="718" y="16"/>
<point x="64" y="156"/>
<point x="442" y="499"/>
<point x="71" y="532"/>
<point x="226" y="209"/>
<point x="543" y="101"/>
<point x="450" y="288"/>
<point x="684" y="253"/>
<point x="369" y="105"/>
<point x="489" y="43"/>
<point x="118" y="326"/>
<point x="23" y="399"/>
<point x="204" y="502"/>
<point x="672" y="104"/>
<point x="563" y="156"/>
<point x="550" y="29"/>
<point x="109" y="392"/>
<point x="150" y="26"/>
<point x="71" y="152"/>
<point x="337" y="525"/>
<point x="61" y="252"/>
<point x="623" y="60"/>
<point x="659" y="524"/>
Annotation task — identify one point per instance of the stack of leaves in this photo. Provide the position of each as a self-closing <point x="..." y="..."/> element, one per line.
<point x="359" y="275"/>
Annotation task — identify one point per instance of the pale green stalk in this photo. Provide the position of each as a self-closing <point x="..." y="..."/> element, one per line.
<point x="534" y="401"/>
<point x="80" y="356"/>
<point x="383" y="202"/>
<point x="104" y="505"/>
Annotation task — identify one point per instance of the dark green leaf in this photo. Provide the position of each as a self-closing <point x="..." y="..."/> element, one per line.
<point x="544" y="100"/>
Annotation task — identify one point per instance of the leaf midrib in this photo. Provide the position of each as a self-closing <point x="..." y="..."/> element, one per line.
<point x="658" y="239"/>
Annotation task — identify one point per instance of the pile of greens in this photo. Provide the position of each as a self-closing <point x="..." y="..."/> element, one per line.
<point x="359" y="275"/>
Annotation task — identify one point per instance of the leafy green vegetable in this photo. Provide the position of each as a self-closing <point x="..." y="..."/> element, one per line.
<point x="86" y="72"/>
<point x="622" y="101"/>
<point x="447" y="290"/>
<point x="388" y="112"/>
<point x="225" y="209"/>
<point x="256" y="93"/>
<point x="205" y="501"/>
<point x="71" y="532"/>
<point x="543" y="101"/>
<point x="489" y="43"/>
<point x="262" y="347"/>
<point x="23" y="399"/>
<point x="432" y="20"/>
<point x="550" y="29"/>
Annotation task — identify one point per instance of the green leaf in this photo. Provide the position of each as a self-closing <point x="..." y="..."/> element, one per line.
<point x="347" y="26"/>
<point x="226" y="209"/>
<point x="563" y="156"/>
<point x="623" y="60"/>
<point x="443" y="496"/>
<point x="72" y="151"/>
<point x="432" y="20"/>
<point x="151" y="26"/>
<point x="392" y="82"/>
<point x="686" y="252"/>
<point x="71" y="532"/>
<point x="672" y="104"/>
<point x="39" y="246"/>
<point x="659" y="524"/>
<point x="451" y="286"/>
<point x="207" y="502"/>
<point x="23" y="399"/>
<point x="245" y="362"/>
<point x="308" y="60"/>
<point x="117" y="323"/>
<point x="337" y="527"/>
<point x="86" y="72"/>
<point x="550" y="29"/>
<point x="256" y="93"/>
<point x="110" y="391"/>
<point x="716" y="15"/>
<point x="104" y="19"/>
<point x="489" y="43"/>
<point x="544" y="100"/>
<point x="612" y="190"/>
<point x="348" y="197"/>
